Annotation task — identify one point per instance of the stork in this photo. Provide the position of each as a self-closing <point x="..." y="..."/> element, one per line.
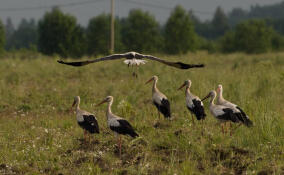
<point x="117" y="124"/>
<point x="159" y="99"/>
<point x="133" y="58"/>
<point x="220" y="112"/>
<point x="242" y="115"/>
<point x="193" y="102"/>
<point x="85" y="120"/>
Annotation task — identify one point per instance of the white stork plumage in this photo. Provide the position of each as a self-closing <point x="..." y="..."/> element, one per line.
<point x="85" y="120"/>
<point x="133" y="58"/>
<point x="193" y="102"/>
<point x="117" y="124"/>
<point x="159" y="99"/>
<point x="242" y="115"/>
<point x="220" y="112"/>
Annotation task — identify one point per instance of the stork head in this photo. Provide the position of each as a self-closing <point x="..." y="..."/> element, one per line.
<point x="154" y="78"/>
<point x="108" y="99"/>
<point x="186" y="83"/>
<point x="219" y="88"/>
<point x="131" y="55"/>
<point x="211" y="94"/>
<point x="75" y="102"/>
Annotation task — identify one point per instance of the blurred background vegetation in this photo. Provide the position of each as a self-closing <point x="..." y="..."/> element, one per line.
<point x="257" y="30"/>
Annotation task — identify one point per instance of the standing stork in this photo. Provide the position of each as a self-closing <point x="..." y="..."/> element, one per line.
<point x="193" y="103"/>
<point x="220" y="112"/>
<point x="159" y="99"/>
<point x="133" y="58"/>
<point x="117" y="124"/>
<point x="85" y="120"/>
<point x="242" y="115"/>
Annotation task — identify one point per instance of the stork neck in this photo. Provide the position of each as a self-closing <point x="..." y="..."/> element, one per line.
<point x="77" y="106"/>
<point x="109" y="108"/>
<point x="212" y="100"/>
<point x="220" y="96"/>
<point x="187" y="90"/>
<point x="155" y="89"/>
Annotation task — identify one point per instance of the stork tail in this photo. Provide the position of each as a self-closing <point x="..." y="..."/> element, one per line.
<point x="248" y="122"/>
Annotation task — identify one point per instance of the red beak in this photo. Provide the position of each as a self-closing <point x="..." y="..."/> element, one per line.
<point x="149" y="81"/>
<point x="104" y="101"/>
<point x="206" y="97"/>
<point x="181" y="86"/>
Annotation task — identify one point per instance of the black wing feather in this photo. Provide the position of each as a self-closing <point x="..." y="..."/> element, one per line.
<point x="229" y="115"/>
<point x="90" y="124"/>
<point x="124" y="128"/>
<point x="164" y="108"/>
<point x="198" y="109"/>
<point x="83" y="63"/>
<point x="245" y="118"/>
<point x="179" y="65"/>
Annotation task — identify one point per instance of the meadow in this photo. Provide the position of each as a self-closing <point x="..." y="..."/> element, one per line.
<point x="39" y="135"/>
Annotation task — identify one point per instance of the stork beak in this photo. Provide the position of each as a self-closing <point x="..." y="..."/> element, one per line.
<point x="149" y="81"/>
<point x="206" y="97"/>
<point x="181" y="86"/>
<point x="218" y="89"/>
<point x="74" y="102"/>
<point x="104" y="101"/>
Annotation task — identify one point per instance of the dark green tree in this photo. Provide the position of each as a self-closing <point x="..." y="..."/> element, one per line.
<point x="25" y="36"/>
<point x="98" y="35"/>
<point x="253" y="36"/>
<point x="60" y="34"/>
<point x="180" y="36"/>
<point x="237" y="15"/>
<point x="141" y="32"/>
<point x="9" y="31"/>
<point x="219" y="23"/>
<point x="227" y="42"/>
<point x="2" y="37"/>
<point x="277" y="42"/>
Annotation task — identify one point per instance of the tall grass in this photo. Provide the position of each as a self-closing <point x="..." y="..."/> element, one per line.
<point x="39" y="135"/>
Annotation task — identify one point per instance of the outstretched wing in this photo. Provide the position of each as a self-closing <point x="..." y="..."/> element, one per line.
<point x="179" y="65"/>
<point x="83" y="63"/>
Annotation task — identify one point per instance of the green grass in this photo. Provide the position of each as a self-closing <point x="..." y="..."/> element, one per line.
<point x="39" y="136"/>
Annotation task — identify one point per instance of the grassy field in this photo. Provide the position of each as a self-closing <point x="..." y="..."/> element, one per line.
<point x="38" y="135"/>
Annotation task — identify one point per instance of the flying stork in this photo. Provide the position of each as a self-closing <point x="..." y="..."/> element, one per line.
<point x="242" y="115"/>
<point x="117" y="124"/>
<point x="220" y="112"/>
<point x="159" y="99"/>
<point x="133" y="58"/>
<point x="193" y="102"/>
<point x="85" y="120"/>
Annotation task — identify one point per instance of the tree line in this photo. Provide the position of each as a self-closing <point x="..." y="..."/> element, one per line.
<point x="59" y="33"/>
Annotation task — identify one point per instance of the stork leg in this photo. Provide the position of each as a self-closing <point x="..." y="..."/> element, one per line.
<point x="85" y="138"/>
<point x="192" y="119"/>
<point x="136" y="71"/>
<point x="119" y="146"/>
<point x="222" y="125"/>
<point x="90" y="137"/>
<point x="230" y="127"/>
<point x="226" y="128"/>
<point x="133" y="72"/>
<point x="158" y="113"/>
